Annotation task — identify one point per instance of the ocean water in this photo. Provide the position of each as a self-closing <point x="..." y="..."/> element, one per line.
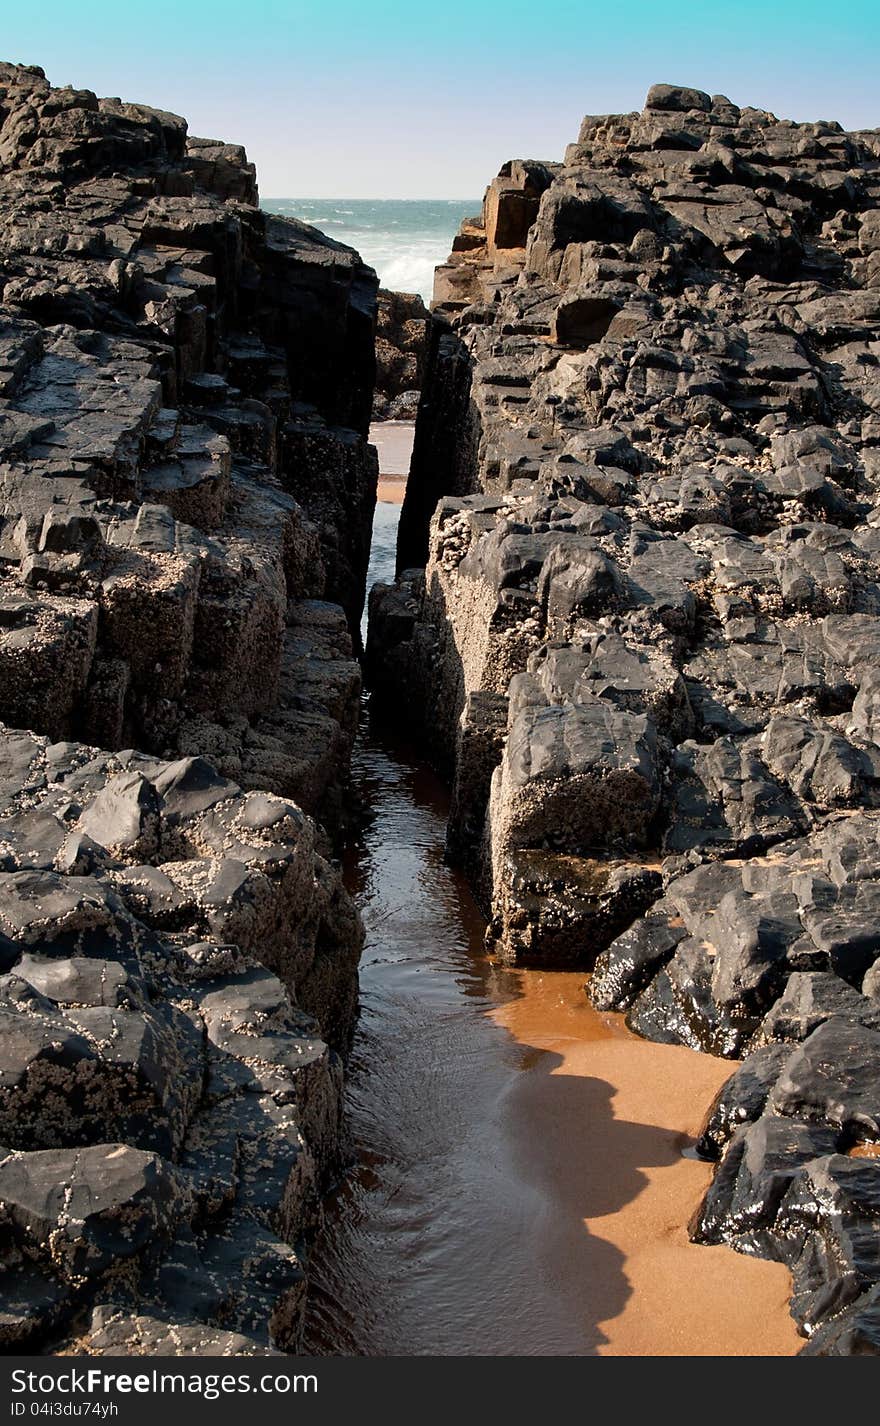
<point x="403" y="239"/>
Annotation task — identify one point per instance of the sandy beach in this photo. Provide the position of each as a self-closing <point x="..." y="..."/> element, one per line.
<point x="600" y="1119"/>
<point x="394" y="442"/>
<point x="520" y="1187"/>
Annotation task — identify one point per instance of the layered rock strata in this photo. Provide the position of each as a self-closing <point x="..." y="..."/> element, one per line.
<point x="186" y="393"/>
<point x="186" y="496"/>
<point x="636" y="621"/>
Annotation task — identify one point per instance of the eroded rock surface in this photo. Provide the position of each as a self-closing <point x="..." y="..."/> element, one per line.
<point x="636" y="621"/>
<point x="186" y="495"/>
<point x="401" y="340"/>
<point x="186" y="390"/>
<point x="176" y="957"/>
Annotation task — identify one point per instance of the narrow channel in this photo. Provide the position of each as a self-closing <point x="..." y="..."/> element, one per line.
<point x="519" y="1185"/>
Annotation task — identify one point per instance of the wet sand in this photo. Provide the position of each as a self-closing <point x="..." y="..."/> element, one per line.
<point x="601" y="1118"/>
<point x="391" y="489"/>
<point x="394" y="442"/>
<point x="518" y="1185"/>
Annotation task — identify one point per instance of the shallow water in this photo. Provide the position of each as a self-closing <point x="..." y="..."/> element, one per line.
<point x="407" y="1265"/>
<point x="520" y="1183"/>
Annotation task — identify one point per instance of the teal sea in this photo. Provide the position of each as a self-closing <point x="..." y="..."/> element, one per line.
<point x="403" y="239"/>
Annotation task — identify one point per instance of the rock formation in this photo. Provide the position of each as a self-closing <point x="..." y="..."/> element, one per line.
<point x="637" y="620"/>
<point x="401" y="339"/>
<point x="186" y="496"/>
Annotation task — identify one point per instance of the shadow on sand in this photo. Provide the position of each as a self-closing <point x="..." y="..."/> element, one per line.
<point x="460" y="1230"/>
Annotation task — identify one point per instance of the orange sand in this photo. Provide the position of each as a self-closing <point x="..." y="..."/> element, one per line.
<point x="392" y="489"/>
<point x="601" y="1119"/>
<point x="394" y="442"/>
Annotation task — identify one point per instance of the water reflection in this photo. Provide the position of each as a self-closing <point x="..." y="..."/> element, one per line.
<point x="506" y="1196"/>
<point x="437" y="1242"/>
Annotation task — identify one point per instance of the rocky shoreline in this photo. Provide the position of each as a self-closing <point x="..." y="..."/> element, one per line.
<point x="636" y="623"/>
<point x="187" y="497"/>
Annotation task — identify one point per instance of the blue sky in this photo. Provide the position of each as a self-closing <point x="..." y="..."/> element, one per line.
<point x="350" y="99"/>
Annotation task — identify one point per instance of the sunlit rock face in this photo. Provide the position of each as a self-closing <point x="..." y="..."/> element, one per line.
<point x="637" y="624"/>
<point x="186" y="495"/>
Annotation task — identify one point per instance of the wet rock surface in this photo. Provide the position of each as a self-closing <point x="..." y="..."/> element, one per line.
<point x="186" y="495"/>
<point x="636" y="622"/>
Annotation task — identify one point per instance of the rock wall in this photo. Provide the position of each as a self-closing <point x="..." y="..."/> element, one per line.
<point x="186" y="496"/>
<point x="401" y="338"/>
<point x="637" y="622"/>
<point x="187" y="386"/>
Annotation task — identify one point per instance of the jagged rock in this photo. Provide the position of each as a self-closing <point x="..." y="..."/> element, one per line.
<point x="635" y="958"/>
<point x="725" y="797"/>
<point x="830" y="1225"/>
<point x="671" y="97"/>
<point x="130" y="1073"/>
<point x="401" y="340"/>
<point x="124" y="818"/>
<point x="576" y="778"/>
<point x="186" y="497"/>
<point x="123" y="1026"/>
<point x="852" y="1333"/>
<point x="807" y="908"/>
<point x="138" y="1335"/>
<point x="556" y="910"/>
<point x="145" y="527"/>
<point x="810" y="998"/>
<point x="760" y="1164"/>
<point x="742" y="1099"/>
<point x="86" y="1210"/>
<point x="833" y="1076"/>
<point x="480" y="744"/>
<point x="642" y="515"/>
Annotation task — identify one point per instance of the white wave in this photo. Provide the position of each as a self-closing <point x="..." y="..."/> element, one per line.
<point x="403" y="240"/>
<point x="411" y="271"/>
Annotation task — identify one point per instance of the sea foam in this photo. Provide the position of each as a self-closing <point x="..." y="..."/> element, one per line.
<point x="403" y="239"/>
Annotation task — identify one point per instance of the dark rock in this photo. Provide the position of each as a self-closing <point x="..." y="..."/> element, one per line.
<point x="672" y="97"/>
<point x="401" y="348"/>
<point x="854" y="1332"/>
<point x="124" y="818"/>
<point x="742" y="1099"/>
<point x="724" y="797"/>
<point x="810" y="998"/>
<point x="86" y="1210"/>
<point x="757" y="1169"/>
<point x="633" y="960"/>
<point x="829" y="1222"/>
<point x="121" y="1333"/>
<point x="833" y="1077"/>
<point x="642" y="513"/>
<point x="186" y="484"/>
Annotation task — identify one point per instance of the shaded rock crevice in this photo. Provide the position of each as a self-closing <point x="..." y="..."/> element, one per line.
<point x="401" y="337"/>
